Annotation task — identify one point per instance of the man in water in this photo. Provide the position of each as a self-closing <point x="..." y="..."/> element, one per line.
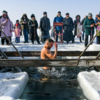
<point x="46" y="53"/>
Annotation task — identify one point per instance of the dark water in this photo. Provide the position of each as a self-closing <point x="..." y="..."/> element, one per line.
<point x="61" y="85"/>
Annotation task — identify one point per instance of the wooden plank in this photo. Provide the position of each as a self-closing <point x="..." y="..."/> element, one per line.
<point x="60" y="53"/>
<point x="50" y="63"/>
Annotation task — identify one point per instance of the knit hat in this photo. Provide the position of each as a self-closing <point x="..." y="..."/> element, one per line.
<point x="32" y="15"/>
<point x="89" y="15"/>
<point x="4" y="11"/>
<point x="67" y="13"/>
<point x="44" y="13"/>
<point x="59" y="12"/>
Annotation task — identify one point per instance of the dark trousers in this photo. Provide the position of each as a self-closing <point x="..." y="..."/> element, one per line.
<point x="83" y="35"/>
<point x="35" y="38"/>
<point x="80" y="39"/>
<point x="57" y="32"/>
<point x="17" y="39"/>
<point x="45" y="35"/>
<point x="98" y="39"/>
<point x="86" y="39"/>
<point x="25" y="35"/>
<point x="3" y="41"/>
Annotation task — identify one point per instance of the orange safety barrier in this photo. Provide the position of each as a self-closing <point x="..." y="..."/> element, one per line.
<point x="61" y="34"/>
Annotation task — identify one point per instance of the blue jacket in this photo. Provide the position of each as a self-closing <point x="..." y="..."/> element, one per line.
<point x="96" y="20"/>
<point x="58" y="19"/>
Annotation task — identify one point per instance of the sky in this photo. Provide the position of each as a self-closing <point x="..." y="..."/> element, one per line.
<point x="16" y="8"/>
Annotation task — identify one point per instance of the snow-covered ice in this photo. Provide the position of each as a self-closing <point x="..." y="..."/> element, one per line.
<point x="10" y="89"/>
<point x="90" y="84"/>
<point x="94" y="47"/>
<point x="12" y="85"/>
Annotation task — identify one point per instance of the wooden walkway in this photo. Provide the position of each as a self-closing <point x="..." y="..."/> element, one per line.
<point x="50" y="63"/>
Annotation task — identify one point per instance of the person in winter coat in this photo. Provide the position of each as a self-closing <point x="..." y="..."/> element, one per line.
<point x="17" y="31"/>
<point x="58" y="29"/>
<point x="33" y="25"/>
<point x="17" y="22"/>
<point x="98" y="29"/>
<point x="96" y="18"/>
<point x="25" y="28"/>
<point x="0" y="26"/>
<point x="83" y="29"/>
<point x="6" y="27"/>
<point x="45" y="27"/>
<point x="89" y="28"/>
<point x="68" y="28"/>
<point x="76" y="22"/>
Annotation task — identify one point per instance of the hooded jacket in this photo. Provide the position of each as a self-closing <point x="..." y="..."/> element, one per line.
<point x="75" y="24"/>
<point x="24" y="26"/>
<point x="6" y="26"/>
<point x="88" y="29"/>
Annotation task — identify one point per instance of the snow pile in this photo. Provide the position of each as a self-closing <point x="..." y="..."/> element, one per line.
<point x="94" y="47"/>
<point x="6" y="48"/>
<point x="90" y="84"/>
<point x="12" y="85"/>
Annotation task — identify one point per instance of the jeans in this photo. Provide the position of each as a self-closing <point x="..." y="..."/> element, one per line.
<point x="83" y="35"/>
<point x="25" y="35"/>
<point x="57" y="32"/>
<point x="17" y="39"/>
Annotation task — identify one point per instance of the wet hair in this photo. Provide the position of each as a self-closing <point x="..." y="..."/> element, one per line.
<point x="49" y="40"/>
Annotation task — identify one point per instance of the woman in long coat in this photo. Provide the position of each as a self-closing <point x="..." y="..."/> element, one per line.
<point x="68" y="28"/>
<point x="76" y="22"/>
<point x="33" y="25"/>
<point x="6" y="27"/>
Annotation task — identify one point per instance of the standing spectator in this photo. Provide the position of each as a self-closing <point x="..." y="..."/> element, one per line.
<point x="96" y="18"/>
<point x="45" y="27"/>
<point x="83" y="29"/>
<point x="58" y="29"/>
<point x="76" y="22"/>
<point x="79" y="31"/>
<point x="33" y="25"/>
<point x="98" y="29"/>
<point x="89" y="28"/>
<point x="68" y="28"/>
<point x="6" y="26"/>
<point x="0" y="26"/>
<point x="24" y="22"/>
<point x="17" y="33"/>
<point x="17" y="22"/>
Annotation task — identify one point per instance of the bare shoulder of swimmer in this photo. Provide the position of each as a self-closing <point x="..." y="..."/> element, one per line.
<point x="48" y="54"/>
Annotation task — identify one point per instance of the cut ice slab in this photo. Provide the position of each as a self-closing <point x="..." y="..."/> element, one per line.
<point x="90" y="84"/>
<point x="12" y="85"/>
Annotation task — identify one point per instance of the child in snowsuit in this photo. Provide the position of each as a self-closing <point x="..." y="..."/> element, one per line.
<point x="17" y="33"/>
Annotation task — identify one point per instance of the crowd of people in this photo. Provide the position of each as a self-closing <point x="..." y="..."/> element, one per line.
<point x="82" y="29"/>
